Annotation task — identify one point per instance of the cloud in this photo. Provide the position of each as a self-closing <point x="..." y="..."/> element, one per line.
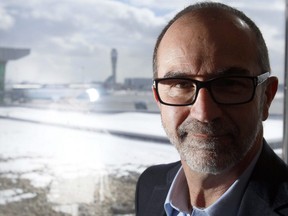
<point x="81" y="33"/>
<point x="7" y="20"/>
<point x="82" y="30"/>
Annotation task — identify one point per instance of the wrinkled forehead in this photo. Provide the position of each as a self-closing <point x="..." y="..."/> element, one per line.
<point x="212" y="35"/>
<point x="213" y="16"/>
<point x="211" y="23"/>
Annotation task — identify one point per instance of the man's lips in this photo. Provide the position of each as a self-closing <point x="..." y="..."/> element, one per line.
<point x="207" y="136"/>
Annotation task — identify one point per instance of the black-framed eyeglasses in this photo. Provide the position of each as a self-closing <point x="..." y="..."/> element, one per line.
<point x="228" y="90"/>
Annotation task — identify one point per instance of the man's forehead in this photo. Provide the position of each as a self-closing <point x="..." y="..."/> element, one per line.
<point x="198" y="43"/>
<point x="210" y="17"/>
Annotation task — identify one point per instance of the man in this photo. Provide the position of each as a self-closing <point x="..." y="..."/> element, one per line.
<point x="213" y="87"/>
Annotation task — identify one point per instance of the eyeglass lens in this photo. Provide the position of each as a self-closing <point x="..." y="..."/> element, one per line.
<point x="224" y="90"/>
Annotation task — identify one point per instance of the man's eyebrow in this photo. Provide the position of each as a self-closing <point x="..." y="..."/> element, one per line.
<point x="232" y="71"/>
<point x="238" y="71"/>
<point x="176" y="74"/>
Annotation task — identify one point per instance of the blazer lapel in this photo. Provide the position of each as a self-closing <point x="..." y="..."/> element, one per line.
<point x="155" y="206"/>
<point x="156" y="203"/>
<point x="266" y="192"/>
<point x="253" y="205"/>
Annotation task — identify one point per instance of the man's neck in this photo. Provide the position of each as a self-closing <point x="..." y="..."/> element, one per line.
<point x="205" y="189"/>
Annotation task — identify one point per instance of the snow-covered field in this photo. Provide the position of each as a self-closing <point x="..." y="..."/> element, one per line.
<point x="72" y="153"/>
<point x="66" y="150"/>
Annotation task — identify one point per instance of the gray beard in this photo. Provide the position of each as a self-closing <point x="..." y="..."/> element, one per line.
<point x="211" y="155"/>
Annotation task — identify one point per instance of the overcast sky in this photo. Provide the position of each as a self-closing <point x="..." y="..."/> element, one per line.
<point x="71" y="40"/>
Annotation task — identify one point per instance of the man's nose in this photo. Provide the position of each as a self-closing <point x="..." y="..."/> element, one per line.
<point x="205" y="109"/>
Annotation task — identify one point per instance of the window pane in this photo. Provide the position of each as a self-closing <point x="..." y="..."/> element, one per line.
<point x="77" y="117"/>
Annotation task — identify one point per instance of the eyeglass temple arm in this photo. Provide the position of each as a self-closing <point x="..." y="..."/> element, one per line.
<point x="262" y="78"/>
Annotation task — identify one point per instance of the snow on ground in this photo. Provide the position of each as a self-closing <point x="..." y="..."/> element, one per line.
<point x="141" y="123"/>
<point x="131" y="122"/>
<point x="84" y="149"/>
<point x="65" y="158"/>
<point x="67" y="146"/>
<point x="68" y="150"/>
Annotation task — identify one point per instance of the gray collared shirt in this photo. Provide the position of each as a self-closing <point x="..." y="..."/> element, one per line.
<point x="177" y="199"/>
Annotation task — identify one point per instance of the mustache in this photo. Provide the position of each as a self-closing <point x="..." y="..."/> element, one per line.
<point x="214" y="128"/>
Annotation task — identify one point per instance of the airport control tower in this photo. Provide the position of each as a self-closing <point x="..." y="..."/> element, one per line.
<point x="8" y="54"/>
<point x="114" y="55"/>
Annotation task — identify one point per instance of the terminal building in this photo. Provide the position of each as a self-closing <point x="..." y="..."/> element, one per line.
<point x="139" y="84"/>
<point x="6" y="55"/>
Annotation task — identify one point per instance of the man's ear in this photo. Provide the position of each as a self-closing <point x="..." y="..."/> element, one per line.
<point x="270" y="92"/>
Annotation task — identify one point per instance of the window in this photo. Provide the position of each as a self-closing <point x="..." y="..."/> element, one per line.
<point x="77" y="116"/>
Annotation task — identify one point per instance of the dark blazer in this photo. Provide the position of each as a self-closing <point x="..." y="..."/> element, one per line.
<point x="265" y="195"/>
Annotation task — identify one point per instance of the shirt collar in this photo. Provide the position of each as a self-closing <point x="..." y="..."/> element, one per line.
<point x="178" y="194"/>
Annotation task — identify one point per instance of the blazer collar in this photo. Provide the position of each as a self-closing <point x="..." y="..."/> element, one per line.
<point x="160" y="192"/>
<point x="253" y="204"/>
<point x="267" y="191"/>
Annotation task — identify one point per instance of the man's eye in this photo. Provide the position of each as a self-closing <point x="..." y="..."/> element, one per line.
<point x="183" y="85"/>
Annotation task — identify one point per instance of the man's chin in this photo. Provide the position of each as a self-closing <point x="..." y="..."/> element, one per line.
<point x="211" y="170"/>
<point x="209" y="162"/>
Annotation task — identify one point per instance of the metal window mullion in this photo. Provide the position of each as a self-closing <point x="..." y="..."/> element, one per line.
<point x="285" y="117"/>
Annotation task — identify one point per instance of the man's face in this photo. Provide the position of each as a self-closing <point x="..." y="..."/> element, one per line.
<point x="209" y="137"/>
